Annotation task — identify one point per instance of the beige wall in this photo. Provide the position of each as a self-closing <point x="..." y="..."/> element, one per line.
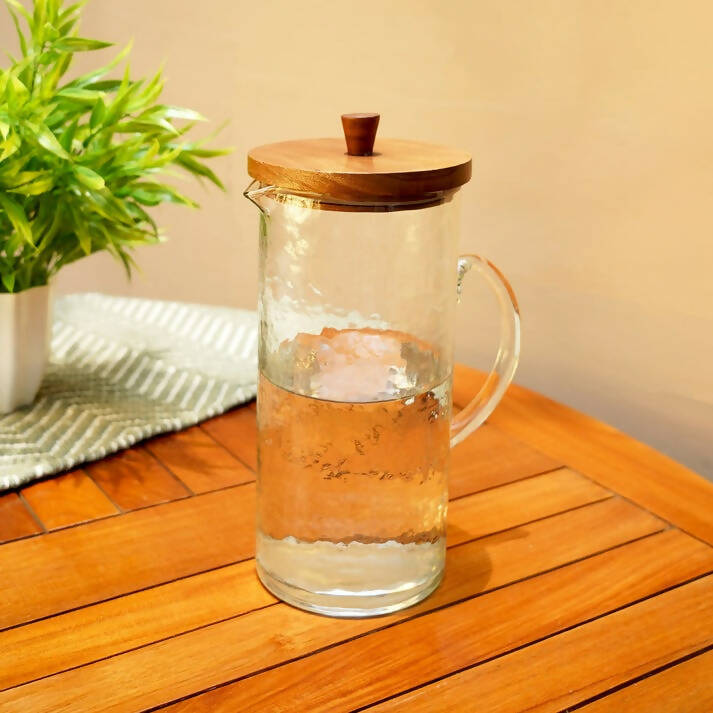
<point x="590" y="126"/>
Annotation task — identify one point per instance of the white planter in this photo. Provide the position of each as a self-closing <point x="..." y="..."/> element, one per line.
<point x="24" y="345"/>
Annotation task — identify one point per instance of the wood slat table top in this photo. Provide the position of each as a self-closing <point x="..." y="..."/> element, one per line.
<point x="579" y="577"/>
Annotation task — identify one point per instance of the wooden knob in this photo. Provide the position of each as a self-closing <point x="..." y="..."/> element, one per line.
<point x="360" y="132"/>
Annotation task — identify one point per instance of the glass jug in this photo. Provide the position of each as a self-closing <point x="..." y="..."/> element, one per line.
<point x="359" y="280"/>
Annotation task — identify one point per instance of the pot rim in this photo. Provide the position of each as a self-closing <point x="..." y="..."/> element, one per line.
<point x="26" y="292"/>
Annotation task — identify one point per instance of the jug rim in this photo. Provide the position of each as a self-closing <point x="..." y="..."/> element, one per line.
<point x="303" y="199"/>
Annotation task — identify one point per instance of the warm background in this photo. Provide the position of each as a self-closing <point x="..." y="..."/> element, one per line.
<point x="590" y="124"/>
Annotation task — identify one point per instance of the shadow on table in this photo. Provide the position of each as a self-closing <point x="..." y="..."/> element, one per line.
<point x="469" y="565"/>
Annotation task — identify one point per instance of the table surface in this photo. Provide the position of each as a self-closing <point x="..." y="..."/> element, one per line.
<point x="579" y="576"/>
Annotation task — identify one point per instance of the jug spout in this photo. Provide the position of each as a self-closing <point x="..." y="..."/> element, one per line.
<point x="257" y="194"/>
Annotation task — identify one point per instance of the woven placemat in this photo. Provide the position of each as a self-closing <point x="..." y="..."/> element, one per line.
<point x="121" y="370"/>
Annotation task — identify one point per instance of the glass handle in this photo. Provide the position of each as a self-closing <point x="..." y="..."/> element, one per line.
<point x="505" y="364"/>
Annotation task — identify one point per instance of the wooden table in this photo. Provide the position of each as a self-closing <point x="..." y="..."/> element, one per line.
<point x="580" y="576"/>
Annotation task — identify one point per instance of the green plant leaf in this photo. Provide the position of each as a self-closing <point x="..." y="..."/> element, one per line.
<point x="208" y="153"/>
<point x="16" y="93"/>
<point x="71" y="10"/>
<point x="49" y="220"/>
<point x="90" y="179"/>
<point x="98" y="114"/>
<point x="48" y="140"/>
<point x="21" y="177"/>
<point x="197" y="168"/>
<point x="20" y="9"/>
<point x="145" y="125"/>
<point x="66" y="27"/>
<point x="94" y="77"/>
<point x="154" y="148"/>
<point x="85" y="241"/>
<point x="38" y="19"/>
<point x="67" y="137"/>
<point x="117" y="108"/>
<point x="47" y="58"/>
<point x="58" y="116"/>
<point x="80" y="230"/>
<point x="17" y="217"/>
<point x="15" y="164"/>
<point x="8" y="279"/>
<point x="50" y="32"/>
<point x="142" y="216"/>
<point x="55" y="74"/>
<point x="152" y="194"/>
<point x="177" y="112"/>
<point x="105" y="85"/>
<point x="13" y="244"/>
<point x="84" y="96"/>
<point x="35" y="187"/>
<point x="79" y="44"/>
<point x="20" y="33"/>
<point x="109" y="207"/>
<point x="148" y="95"/>
<point x="9" y="146"/>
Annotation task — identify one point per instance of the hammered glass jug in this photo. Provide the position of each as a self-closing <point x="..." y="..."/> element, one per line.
<point x="358" y="286"/>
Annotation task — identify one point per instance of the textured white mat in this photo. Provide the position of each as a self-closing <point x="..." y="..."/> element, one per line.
<point x="122" y="370"/>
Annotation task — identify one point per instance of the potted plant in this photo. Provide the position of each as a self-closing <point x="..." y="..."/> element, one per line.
<point x="80" y="162"/>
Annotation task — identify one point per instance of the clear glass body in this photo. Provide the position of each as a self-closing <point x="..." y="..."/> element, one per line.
<point x="356" y="308"/>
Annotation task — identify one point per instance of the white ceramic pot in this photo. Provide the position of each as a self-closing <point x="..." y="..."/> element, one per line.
<point x="24" y="345"/>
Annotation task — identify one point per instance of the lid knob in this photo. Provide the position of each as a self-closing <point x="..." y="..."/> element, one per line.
<point x="360" y="132"/>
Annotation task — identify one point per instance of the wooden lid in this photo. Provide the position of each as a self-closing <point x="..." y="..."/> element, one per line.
<point x="396" y="170"/>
